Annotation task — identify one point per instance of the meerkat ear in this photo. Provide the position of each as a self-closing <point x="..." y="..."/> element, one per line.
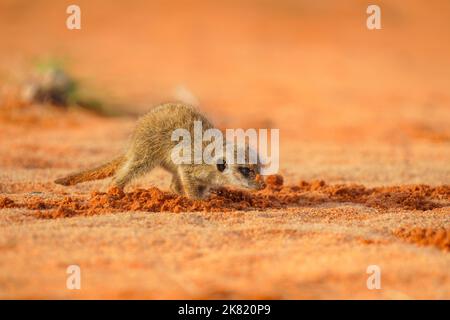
<point x="221" y="165"/>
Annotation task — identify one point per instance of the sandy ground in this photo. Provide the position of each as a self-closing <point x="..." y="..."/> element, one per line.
<point x="354" y="107"/>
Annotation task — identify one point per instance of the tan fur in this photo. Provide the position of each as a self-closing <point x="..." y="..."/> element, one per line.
<point x="101" y="172"/>
<point x="151" y="147"/>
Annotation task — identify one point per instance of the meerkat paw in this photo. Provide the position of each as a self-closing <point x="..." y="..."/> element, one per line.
<point x="202" y="192"/>
<point x="175" y="188"/>
<point x="198" y="192"/>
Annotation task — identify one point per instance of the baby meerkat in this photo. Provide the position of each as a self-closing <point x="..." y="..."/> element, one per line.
<point x="151" y="146"/>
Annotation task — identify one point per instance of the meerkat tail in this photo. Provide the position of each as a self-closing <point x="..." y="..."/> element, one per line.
<point x="101" y="172"/>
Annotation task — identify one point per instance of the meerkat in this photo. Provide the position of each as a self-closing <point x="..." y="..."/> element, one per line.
<point x="151" y="146"/>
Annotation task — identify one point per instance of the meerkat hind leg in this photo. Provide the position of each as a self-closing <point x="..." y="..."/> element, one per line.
<point x="132" y="169"/>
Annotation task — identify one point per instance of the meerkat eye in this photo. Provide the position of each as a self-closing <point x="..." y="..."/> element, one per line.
<point x="221" y="166"/>
<point x="244" y="171"/>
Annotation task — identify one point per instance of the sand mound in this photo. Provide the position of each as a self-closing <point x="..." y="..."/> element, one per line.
<point x="6" y="202"/>
<point x="274" y="196"/>
<point x="426" y="237"/>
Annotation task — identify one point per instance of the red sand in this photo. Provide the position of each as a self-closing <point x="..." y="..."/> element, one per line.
<point x="439" y="237"/>
<point x="364" y="119"/>
<point x="416" y="197"/>
<point x="274" y="196"/>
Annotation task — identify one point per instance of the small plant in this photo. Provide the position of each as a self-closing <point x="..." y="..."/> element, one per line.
<point x="51" y="83"/>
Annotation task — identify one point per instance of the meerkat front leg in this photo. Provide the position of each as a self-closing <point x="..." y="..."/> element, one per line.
<point x="195" y="190"/>
<point x="192" y="187"/>
<point x="175" y="185"/>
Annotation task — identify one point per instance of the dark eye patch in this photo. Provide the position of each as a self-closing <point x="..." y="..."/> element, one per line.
<point x="221" y="166"/>
<point x="244" y="171"/>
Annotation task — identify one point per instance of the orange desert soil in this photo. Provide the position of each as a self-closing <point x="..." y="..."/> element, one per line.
<point x="436" y="237"/>
<point x="364" y="120"/>
<point x="274" y="196"/>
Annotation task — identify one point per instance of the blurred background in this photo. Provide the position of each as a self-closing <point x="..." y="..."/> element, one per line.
<point x="301" y="60"/>
<point x="309" y="68"/>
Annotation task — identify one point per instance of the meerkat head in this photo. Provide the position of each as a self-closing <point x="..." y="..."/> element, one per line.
<point x="240" y="175"/>
<point x="244" y="173"/>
